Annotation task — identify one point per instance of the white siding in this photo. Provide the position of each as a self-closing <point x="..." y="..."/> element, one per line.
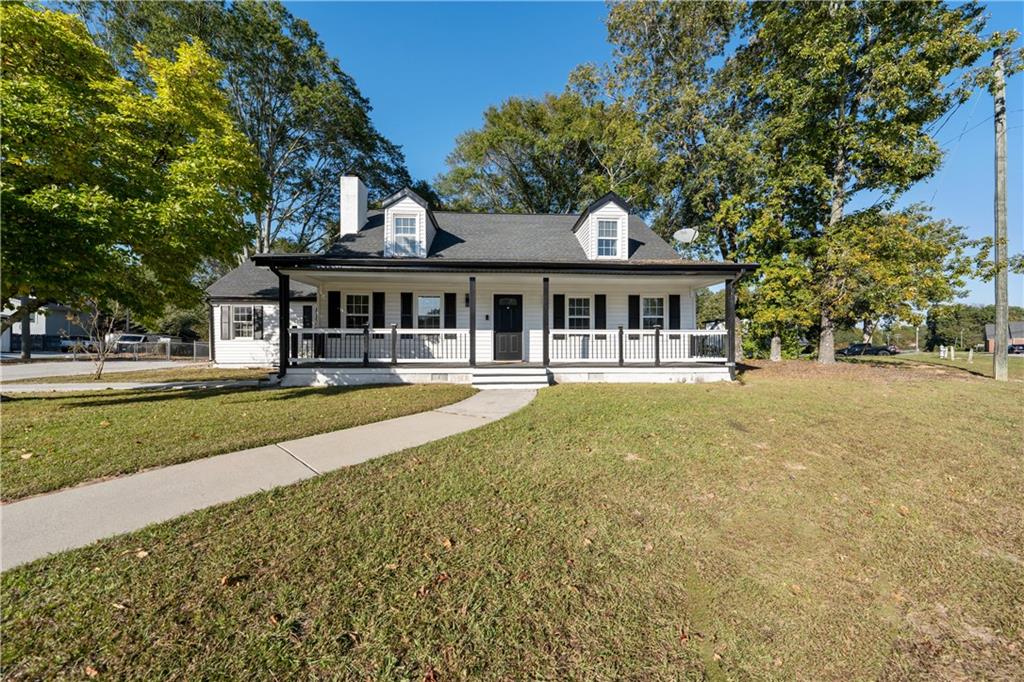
<point x="585" y="235"/>
<point x="407" y="207"/>
<point x="254" y="352"/>
<point x="610" y="211"/>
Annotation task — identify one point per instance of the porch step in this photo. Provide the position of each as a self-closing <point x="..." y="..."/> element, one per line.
<point x="510" y="377"/>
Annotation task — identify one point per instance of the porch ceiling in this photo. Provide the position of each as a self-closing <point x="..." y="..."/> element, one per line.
<point x="316" y="278"/>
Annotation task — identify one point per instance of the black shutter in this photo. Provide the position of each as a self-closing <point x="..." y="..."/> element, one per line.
<point x="449" y="311"/>
<point x="673" y="311"/>
<point x="600" y="316"/>
<point x="634" y="312"/>
<point x="334" y="309"/>
<point x="257" y="322"/>
<point x="406" y="310"/>
<point x="225" y="322"/>
<point x="559" y="301"/>
<point x="307" y="316"/>
<point x="378" y="310"/>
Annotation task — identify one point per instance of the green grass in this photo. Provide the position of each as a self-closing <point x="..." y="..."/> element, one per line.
<point x="838" y="523"/>
<point x="71" y="438"/>
<point x="982" y="365"/>
<point x="171" y="374"/>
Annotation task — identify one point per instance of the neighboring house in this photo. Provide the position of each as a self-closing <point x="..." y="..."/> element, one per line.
<point x="49" y="324"/>
<point x="1016" y="335"/>
<point x="408" y="294"/>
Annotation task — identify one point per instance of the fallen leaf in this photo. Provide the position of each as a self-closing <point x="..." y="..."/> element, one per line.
<point x="104" y="423"/>
<point x="141" y="554"/>
<point x="391" y="567"/>
<point x="587" y="541"/>
<point x="904" y="510"/>
<point x="649" y="547"/>
<point x="232" y="580"/>
<point x="778" y="662"/>
<point x="795" y="589"/>
<point x="27" y="455"/>
<point x="91" y="671"/>
<point x="448" y="543"/>
<point x="119" y="607"/>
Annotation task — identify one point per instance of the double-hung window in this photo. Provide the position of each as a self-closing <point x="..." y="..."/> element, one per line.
<point x="428" y="312"/>
<point x="653" y="312"/>
<point x="607" y="238"/>
<point x="241" y="321"/>
<point x="578" y="312"/>
<point x="357" y="310"/>
<point x="406" y="238"/>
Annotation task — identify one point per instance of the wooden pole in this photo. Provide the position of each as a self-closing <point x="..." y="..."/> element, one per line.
<point x="730" y="316"/>
<point x="283" y="296"/>
<point x="546" y="326"/>
<point x="472" y="321"/>
<point x="999" y="359"/>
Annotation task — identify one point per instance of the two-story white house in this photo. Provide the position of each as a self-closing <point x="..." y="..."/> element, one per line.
<point x="409" y="294"/>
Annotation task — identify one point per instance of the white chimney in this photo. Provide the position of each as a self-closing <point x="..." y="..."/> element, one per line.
<point x="353" y="204"/>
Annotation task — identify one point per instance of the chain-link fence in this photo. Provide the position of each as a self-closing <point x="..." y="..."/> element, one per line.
<point x="157" y="350"/>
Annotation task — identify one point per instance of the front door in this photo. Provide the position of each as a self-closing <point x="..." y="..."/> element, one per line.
<point x="508" y="327"/>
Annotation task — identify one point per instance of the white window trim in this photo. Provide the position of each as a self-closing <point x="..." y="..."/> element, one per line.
<point x="664" y="311"/>
<point x="252" y="323"/>
<point x="416" y="313"/>
<point x="416" y="240"/>
<point x="590" y="311"/>
<point x="344" y="308"/>
<point x="598" y="237"/>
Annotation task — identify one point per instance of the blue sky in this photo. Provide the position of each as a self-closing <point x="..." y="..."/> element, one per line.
<point x="430" y="69"/>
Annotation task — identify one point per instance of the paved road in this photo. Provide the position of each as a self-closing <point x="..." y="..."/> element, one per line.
<point x="125" y="385"/>
<point x="63" y="368"/>
<point x="76" y="517"/>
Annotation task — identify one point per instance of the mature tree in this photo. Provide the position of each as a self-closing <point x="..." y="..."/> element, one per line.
<point x="112" y="193"/>
<point x="893" y="265"/>
<point x="784" y="308"/>
<point x="304" y="115"/>
<point x="850" y="94"/>
<point x="949" y="323"/>
<point x="549" y="155"/>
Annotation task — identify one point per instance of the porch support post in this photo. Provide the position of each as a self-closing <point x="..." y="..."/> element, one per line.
<point x="730" y="324"/>
<point x="394" y="343"/>
<point x="621" y="347"/>
<point x="657" y="346"/>
<point x="547" y="323"/>
<point x="472" y="321"/>
<point x="283" y="294"/>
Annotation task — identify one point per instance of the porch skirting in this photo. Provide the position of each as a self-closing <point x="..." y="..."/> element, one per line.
<point x="561" y="374"/>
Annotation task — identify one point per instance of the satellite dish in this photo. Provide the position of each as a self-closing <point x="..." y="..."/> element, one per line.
<point x="685" y="235"/>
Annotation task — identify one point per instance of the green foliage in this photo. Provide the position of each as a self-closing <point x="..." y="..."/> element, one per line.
<point x="947" y="324"/>
<point x="188" y="324"/>
<point x="112" y="192"/>
<point x="549" y="155"/>
<point x="304" y="115"/>
<point x="710" y="306"/>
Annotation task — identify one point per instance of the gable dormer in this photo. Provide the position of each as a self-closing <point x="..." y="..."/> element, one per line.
<point x="603" y="228"/>
<point x="409" y="225"/>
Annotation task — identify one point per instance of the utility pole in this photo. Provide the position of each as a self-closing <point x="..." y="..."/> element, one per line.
<point x="999" y="359"/>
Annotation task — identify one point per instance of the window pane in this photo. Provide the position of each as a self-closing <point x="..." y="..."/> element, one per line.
<point x="242" y="319"/>
<point x="653" y="313"/>
<point x="607" y="247"/>
<point x="357" y="310"/>
<point x="608" y="229"/>
<point x="429" y="312"/>
<point x="579" y="313"/>
<point x="405" y="226"/>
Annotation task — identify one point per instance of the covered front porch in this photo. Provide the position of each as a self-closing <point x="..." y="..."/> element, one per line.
<point x="417" y="322"/>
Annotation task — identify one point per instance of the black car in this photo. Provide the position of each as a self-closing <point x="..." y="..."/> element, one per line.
<point x="1016" y="349"/>
<point x="868" y="349"/>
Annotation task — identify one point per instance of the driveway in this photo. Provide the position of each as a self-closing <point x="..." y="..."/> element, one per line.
<point x="63" y="368"/>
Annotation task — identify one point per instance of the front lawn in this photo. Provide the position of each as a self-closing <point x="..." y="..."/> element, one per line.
<point x="51" y="441"/>
<point x="188" y="373"/>
<point x="853" y="522"/>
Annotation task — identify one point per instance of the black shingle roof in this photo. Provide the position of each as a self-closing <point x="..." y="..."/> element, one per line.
<point x="250" y="281"/>
<point x="504" y="237"/>
<point x="1016" y="330"/>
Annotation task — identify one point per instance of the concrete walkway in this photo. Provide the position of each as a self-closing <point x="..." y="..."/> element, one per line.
<point x="75" y="517"/>
<point x="127" y="385"/>
<point x="63" y="368"/>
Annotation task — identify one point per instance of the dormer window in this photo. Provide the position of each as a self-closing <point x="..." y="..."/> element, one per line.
<point x="607" y="238"/>
<point x="406" y="236"/>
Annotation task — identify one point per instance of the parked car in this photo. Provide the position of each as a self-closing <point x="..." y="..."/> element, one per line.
<point x="1016" y="349"/>
<point x="868" y="349"/>
<point x="80" y="344"/>
<point x="130" y="343"/>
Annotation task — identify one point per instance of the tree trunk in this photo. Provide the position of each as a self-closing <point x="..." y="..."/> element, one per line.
<point x="776" y="355"/>
<point x="827" y="340"/>
<point x="26" y="331"/>
<point x="869" y="331"/>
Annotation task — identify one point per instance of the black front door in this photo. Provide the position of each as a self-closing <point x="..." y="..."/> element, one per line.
<point x="508" y="327"/>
